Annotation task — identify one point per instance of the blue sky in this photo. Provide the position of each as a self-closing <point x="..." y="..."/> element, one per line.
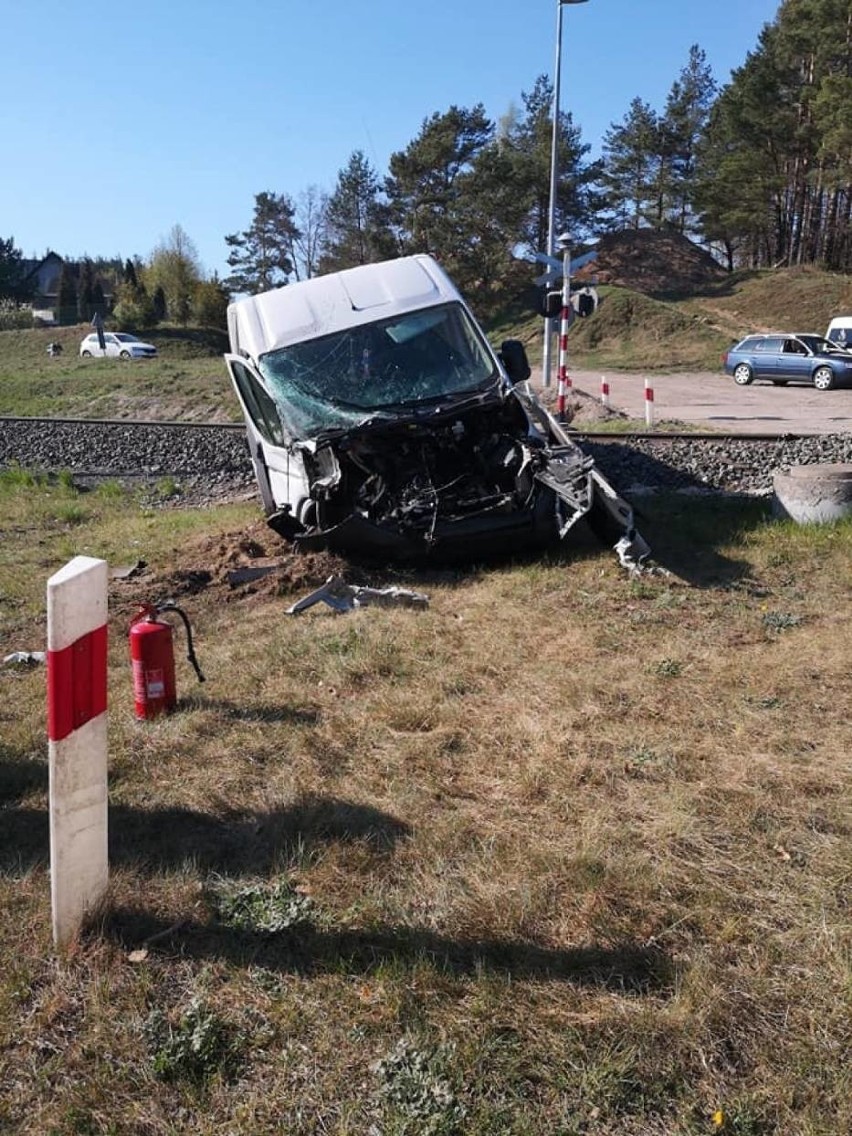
<point x="118" y="122"/>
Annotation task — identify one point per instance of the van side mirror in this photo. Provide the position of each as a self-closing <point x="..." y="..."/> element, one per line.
<point x="514" y="358"/>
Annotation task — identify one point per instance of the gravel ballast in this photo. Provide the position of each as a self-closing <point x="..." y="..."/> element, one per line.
<point x="214" y="461"/>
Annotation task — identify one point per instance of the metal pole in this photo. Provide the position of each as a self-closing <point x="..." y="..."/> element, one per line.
<point x="554" y="179"/>
<point x="551" y="208"/>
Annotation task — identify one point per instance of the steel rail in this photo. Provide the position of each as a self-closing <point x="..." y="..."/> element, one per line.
<point x="602" y="435"/>
<point x="31" y="421"/>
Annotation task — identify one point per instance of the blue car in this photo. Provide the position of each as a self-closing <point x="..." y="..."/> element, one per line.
<point x="785" y="357"/>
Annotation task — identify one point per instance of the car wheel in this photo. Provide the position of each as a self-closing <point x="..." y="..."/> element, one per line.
<point x="743" y="374"/>
<point x="124" y="355"/>
<point x="823" y="378"/>
<point x="779" y="382"/>
<point x="86" y="354"/>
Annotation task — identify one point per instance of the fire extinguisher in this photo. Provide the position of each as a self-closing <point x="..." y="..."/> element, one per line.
<point x="153" y="660"/>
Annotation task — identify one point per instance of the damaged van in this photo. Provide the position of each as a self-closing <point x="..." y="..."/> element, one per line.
<point x="381" y="423"/>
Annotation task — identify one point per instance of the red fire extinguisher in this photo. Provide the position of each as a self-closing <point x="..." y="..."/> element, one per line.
<point x="153" y="660"/>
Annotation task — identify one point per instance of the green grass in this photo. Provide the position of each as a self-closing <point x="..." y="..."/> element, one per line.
<point x="188" y="380"/>
<point x="564" y="853"/>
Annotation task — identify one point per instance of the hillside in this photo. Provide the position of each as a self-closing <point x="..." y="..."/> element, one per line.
<point x="656" y="318"/>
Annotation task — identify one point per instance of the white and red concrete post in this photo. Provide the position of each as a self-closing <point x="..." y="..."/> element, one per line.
<point x="564" y="381"/>
<point x="604" y="391"/>
<point x="77" y="731"/>
<point x="564" y="323"/>
<point x="649" y="403"/>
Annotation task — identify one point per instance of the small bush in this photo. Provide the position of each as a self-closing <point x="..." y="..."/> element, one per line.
<point x="417" y="1084"/>
<point x="259" y="908"/>
<point x="16" y="319"/>
<point x="201" y="1045"/>
<point x="777" y="621"/>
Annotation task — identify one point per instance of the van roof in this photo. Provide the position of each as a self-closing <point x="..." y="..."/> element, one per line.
<point x="323" y="304"/>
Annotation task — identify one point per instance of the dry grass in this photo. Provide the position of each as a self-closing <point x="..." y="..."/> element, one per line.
<point x="564" y="853"/>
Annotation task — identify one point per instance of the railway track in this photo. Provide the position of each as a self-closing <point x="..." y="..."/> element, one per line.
<point x="621" y="436"/>
<point x="216" y="455"/>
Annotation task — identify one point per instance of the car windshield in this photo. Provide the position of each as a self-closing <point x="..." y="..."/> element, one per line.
<point x="125" y="338"/>
<point x="817" y="344"/>
<point x="382" y="368"/>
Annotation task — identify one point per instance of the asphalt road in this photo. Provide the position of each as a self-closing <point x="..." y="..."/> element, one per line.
<point x="716" y="402"/>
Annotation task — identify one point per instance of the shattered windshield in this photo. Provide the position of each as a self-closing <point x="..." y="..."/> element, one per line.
<point x="381" y="368"/>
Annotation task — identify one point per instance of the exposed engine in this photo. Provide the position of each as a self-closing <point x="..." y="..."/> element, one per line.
<point x="414" y="477"/>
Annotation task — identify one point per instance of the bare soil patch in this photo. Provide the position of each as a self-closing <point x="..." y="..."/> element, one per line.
<point x="652" y="262"/>
<point x="216" y="562"/>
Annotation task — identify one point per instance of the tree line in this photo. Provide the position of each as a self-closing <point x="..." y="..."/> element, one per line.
<point x="759" y="171"/>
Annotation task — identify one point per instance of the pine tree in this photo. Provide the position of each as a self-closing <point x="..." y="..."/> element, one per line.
<point x="528" y="139"/>
<point x="14" y="285"/>
<point x="428" y="177"/>
<point x="682" y="125"/>
<point x="355" y="218"/>
<point x="632" y="159"/>
<point x="158" y="303"/>
<point x="262" y="255"/>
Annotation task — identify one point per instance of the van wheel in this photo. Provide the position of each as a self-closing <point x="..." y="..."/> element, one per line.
<point x="124" y="355"/>
<point x="743" y="374"/>
<point x="86" y="354"/>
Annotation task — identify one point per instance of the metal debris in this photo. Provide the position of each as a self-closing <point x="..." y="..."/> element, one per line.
<point x="25" y="659"/>
<point x="341" y="596"/>
<point x="128" y="571"/>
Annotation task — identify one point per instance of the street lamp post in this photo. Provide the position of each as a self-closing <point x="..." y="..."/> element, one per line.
<point x="554" y="149"/>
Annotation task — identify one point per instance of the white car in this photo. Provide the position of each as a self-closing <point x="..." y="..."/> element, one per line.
<point x="119" y="345"/>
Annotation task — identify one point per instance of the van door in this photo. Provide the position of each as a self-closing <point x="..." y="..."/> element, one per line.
<point x="278" y="467"/>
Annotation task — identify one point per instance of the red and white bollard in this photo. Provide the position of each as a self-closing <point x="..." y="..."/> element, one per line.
<point x="77" y="732"/>
<point x="649" y="403"/>
<point x="564" y="381"/>
<point x="604" y="391"/>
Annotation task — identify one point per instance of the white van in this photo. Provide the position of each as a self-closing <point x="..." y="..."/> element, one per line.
<point x="840" y="331"/>
<point x="381" y="421"/>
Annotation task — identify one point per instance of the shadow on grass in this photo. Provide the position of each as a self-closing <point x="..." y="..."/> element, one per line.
<point x="18" y="778"/>
<point x="234" y="712"/>
<point x="156" y="840"/>
<point x="310" y="950"/>
<point x="688" y="535"/>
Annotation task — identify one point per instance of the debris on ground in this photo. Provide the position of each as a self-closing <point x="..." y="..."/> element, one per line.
<point x="25" y="659"/>
<point x="128" y="571"/>
<point x="340" y="596"/>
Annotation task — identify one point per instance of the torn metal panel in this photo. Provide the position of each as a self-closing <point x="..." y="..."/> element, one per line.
<point x="340" y="596"/>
